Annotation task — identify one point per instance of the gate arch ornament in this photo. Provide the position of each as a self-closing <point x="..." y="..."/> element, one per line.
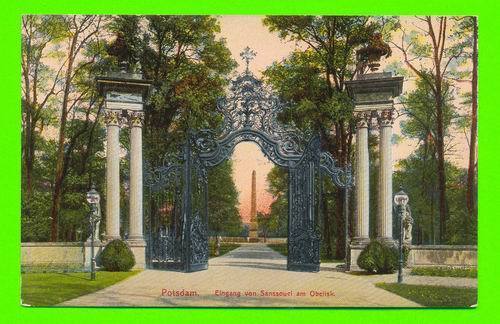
<point x="250" y="113"/>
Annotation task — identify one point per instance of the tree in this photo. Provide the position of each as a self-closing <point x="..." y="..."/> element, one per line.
<point x="189" y="70"/>
<point x="432" y="47"/>
<point x="39" y="89"/>
<point x="312" y="81"/>
<point x="277" y="179"/>
<point x="421" y="124"/>
<point x="79" y="97"/>
<point x="419" y="175"/>
<point x="472" y="170"/>
<point x="465" y="37"/>
<point x="264" y="223"/>
<point x="223" y="213"/>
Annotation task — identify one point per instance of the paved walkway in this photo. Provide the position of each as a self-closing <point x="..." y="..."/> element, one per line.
<point x="252" y="268"/>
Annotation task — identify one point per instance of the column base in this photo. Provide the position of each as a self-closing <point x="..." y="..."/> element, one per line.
<point x="388" y="240"/>
<point x="108" y="239"/>
<point x="138" y="247"/>
<point x="357" y="245"/>
<point x="360" y="241"/>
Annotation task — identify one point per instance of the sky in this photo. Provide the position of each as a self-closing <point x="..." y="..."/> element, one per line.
<point x="239" y="32"/>
<point x="242" y="31"/>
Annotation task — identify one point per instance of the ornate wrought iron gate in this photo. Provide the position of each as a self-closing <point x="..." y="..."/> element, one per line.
<point x="178" y="215"/>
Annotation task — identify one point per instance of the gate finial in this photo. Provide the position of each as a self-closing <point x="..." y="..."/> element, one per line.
<point x="248" y="54"/>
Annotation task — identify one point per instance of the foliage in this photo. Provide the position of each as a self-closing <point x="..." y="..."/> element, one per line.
<point x="62" y="55"/>
<point x="277" y="180"/>
<point x="223" y="214"/>
<point x="445" y="272"/>
<point x="311" y="80"/>
<point x="440" y="47"/>
<point x="419" y="176"/>
<point x="188" y="67"/>
<point x="263" y="223"/>
<point x="378" y="257"/>
<point x="434" y="296"/>
<point x="46" y="289"/>
<point x="117" y="256"/>
<point x="188" y="64"/>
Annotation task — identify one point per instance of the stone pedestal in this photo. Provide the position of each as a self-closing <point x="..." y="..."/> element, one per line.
<point x="138" y="248"/>
<point x="87" y="255"/>
<point x="355" y="250"/>
<point x="253" y="234"/>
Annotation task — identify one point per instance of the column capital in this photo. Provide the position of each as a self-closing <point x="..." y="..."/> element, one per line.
<point x="362" y="118"/>
<point x="385" y="118"/>
<point x="135" y="118"/>
<point x="112" y="117"/>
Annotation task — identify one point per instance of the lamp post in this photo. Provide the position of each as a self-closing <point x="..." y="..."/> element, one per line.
<point x="93" y="199"/>
<point x="401" y="200"/>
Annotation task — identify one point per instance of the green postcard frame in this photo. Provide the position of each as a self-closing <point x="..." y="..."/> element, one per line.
<point x="10" y="142"/>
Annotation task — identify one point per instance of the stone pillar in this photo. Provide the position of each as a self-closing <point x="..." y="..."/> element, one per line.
<point x="135" y="223"/>
<point x="136" y="240"/>
<point x="112" y="119"/>
<point x="384" y="215"/>
<point x="361" y="226"/>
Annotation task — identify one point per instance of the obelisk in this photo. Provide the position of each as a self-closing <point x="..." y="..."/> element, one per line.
<point x="253" y="234"/>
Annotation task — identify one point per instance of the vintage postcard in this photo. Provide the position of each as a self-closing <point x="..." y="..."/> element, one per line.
<point x="249" y="161"/>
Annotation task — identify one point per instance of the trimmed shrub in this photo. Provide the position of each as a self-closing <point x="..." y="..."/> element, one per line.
<point x="117" y="256"/>
<point x="378" y="257"/>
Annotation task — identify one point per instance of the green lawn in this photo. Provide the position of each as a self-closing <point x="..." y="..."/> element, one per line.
<point x="224" y="248"/>
<point x="282" y="248"/>
<point x="434" y="296"/>
<point x="45" y="289"/>
<point x="445" y="272"/>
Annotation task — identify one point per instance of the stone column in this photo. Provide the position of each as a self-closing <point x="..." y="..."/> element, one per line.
<point x="112" y="118"/>
<point x="135" y="223"/>
<point x="384" y="215"/>
<point x="361" y="235"/>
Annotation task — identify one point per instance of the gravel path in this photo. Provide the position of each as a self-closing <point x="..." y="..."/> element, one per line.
<point x="252" y="275"/>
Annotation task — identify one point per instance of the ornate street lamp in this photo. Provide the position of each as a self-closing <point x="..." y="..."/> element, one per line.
<point x="401" y="200"/>
<point x="93" y="199"/>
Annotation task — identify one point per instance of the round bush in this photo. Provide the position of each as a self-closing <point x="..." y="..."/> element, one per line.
<point x="117" y="256"/>
<point x="378" y="257"/>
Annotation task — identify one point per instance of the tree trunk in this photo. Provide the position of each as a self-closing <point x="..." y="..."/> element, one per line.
<point x="59" y="172"/>
<point x="441" y="166"/>
<point x="471" y="173"/>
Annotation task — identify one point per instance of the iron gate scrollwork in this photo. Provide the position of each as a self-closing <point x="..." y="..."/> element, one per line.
<point x="250" y="113"/>
<point x="177" y="223"/>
